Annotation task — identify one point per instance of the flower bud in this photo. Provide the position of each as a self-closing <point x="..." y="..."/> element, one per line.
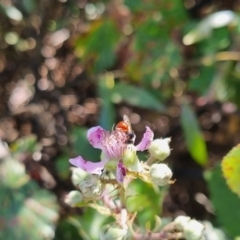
<point x="91" y="187"/>
<point x="130" y="160"/>
<point x="181" y="222"/>
<point x="114" y="231"/>
<point x="193" y="230"/>
<point x="160" y="174"/>
<point x="78" y="175"/>
<point x="159" y="149"/>
<point x="73" y="198"/>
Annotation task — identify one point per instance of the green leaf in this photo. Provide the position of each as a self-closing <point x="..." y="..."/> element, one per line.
<point x="231" y="169"/>
<point x="100" y="44"/>
<point x="26" y="144"/>
<point x="89" y="224"/>
<point x="145" y="200"/>
<point x="203" y="80"/>
<point x="150" y="32"/>
<point x="136" y="6"/>
<point x="66" y="230"/>
<point x="174" y="13"/>
<point x="226" y="203"/>
<point x="62" y="166"/>
<point x="136" y="96"/>
<point x="193" y="136"/>
<point x="29" y="5"/>
<point x="81" y="145"/>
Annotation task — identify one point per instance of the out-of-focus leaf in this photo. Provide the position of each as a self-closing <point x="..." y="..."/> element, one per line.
<point x="145" y="200"/>
<point x="136" y="6"/>
<point x="89" y="224"/>
<point x="100" y="44"/>
<point x="203" y="80"/>
<point x="136" y="96"/>
<point x="17" y="178"/>
<point x="25" y="145"/>
<point x="205" y="27"/>
<point x="150" y="32"/>
<point x="231" y="169"/>
<point x="193" y="136"/>
<point x="62" y="166"/>
<point x="226" y="203"/>
<point x="228" y="85"/>
<point x="66" y="230"/>
<point x="173" y="12"/>
<point x="27" y="212"/>
<point x="107" y="115"/>
<point x="29" y="5"/>
<point x="220" y="40"/>
<point x="81" y="145"/>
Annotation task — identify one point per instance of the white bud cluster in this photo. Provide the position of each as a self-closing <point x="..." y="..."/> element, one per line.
<point x="191" y="228"/>
<point x="91" y="187"/>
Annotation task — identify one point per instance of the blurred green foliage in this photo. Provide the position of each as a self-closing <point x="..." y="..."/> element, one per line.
<point x="27" y="211"/>
<point x="224" y="201"/>
<point x="66" y="65"/>
<point x="193" y="136"/>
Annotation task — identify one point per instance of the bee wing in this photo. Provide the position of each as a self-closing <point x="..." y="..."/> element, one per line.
<point x="127" y="121"/>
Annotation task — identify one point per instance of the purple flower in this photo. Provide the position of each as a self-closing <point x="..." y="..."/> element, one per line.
<point x="113" y="144"/>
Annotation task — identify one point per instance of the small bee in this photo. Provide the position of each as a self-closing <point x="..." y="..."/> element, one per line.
<point x="125" y="126"/>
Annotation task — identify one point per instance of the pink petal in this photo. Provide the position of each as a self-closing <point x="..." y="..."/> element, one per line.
<point x="90" y="167"/>
<point x="146" y="140"/>
<point x="120" y="172"/>
<point x="95" y="136"/>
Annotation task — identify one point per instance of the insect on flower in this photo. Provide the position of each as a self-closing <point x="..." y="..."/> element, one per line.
<point x="125" y="126"/>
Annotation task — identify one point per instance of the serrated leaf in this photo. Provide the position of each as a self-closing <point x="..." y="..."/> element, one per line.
<point x="231" y="169"/>
<point x="226" y="203"/>
<point x="193" y="136"/>
<point x="136" y="96"/>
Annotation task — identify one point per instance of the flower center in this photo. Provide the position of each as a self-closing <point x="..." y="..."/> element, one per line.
<point x="114" y="144"/>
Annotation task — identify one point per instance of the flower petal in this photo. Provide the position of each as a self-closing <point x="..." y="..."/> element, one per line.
<point x="95" y="136"/>
<point x="120" y="172"/>
<point x="90" y="167"/>
<point x="146" y="140"/>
